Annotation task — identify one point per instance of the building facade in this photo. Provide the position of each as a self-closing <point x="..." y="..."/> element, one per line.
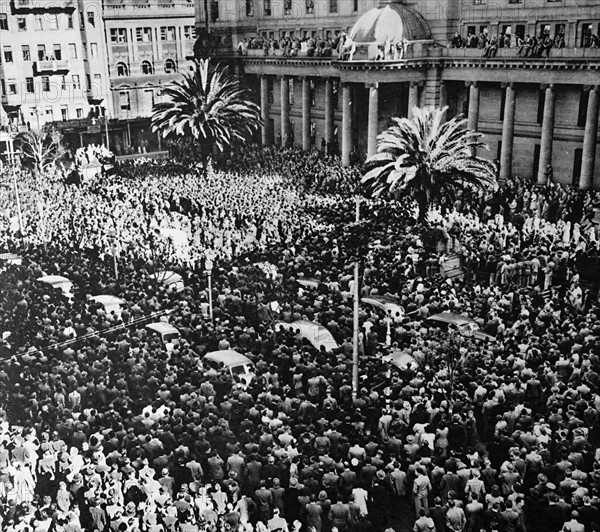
<point x="526" y="73"/>
<point x="92" y="69"/>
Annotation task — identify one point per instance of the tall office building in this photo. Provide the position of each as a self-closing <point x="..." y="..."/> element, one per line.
<point x="91" y="69"/>
<point x="535" y="100"/>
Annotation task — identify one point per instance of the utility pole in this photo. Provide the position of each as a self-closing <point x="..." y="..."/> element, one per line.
<point x="356" y="309"/>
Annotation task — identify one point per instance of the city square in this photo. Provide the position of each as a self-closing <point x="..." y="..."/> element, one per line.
<point x="308" y="265"/>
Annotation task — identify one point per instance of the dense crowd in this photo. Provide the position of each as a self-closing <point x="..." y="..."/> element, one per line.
<point x="527" y="46"/>
<point x="105" y="429"/>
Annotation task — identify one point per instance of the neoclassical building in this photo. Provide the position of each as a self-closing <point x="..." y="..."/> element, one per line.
<point x="534" y="111"/>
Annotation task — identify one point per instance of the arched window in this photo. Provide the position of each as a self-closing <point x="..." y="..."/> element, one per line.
<point x="170" y="66"/>
<point x="122" y="70"/>
<point x="147" y="67"/>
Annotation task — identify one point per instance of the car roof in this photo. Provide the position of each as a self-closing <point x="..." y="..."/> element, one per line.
<point x="451" y="317"/>
<point x="167" y="277"/>
<point x="53" y="279"/>
<point x="162" y="327"/>
<point x="228" y="357"/>
<point x="106" y="299"/>
<point x="314" y="332"/>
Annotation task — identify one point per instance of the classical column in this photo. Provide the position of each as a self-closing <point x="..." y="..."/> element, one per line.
<point x="473" y="117"/>
<point x="508" y="132"/>
<point x="373" y="125"/>
<point x="547" y="133"/>
<point x="346" y="124"/>
<point x="413" y="97"/>
<point x="285" y="111"/>
<point x="306" y="144"/>
<point x="264" y="109"/>
<point x="590" y="137"/>
<point x="328" y="113"/>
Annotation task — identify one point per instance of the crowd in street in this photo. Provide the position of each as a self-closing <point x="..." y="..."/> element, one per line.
<point x="104" y="429"/>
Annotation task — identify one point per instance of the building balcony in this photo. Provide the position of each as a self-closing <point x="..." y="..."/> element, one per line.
<point x="51" y="66"/>
<point x="41" y="6"/>
<point x="11" y="100"/>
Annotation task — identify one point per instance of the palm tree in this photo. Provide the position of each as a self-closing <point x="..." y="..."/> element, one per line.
<point x="429" y="159"/>
<point x="206" y="107"/>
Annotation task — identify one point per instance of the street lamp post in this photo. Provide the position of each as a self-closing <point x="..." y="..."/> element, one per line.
<point x="388" y="334"/>
<point x="113" y="234"/>
<point x="356" y="321"/>
<point x="209" y="260"/>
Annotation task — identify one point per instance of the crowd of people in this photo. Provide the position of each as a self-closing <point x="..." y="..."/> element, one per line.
<point x="527" y="46"/>
<point x="105" y="429"/>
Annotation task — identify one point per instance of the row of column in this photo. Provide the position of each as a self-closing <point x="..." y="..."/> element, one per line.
<point x="508" y="129"/>
<point x="346" y="104"/>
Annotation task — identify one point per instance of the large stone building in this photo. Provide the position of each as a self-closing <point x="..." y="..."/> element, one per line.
<point x="92" y="69"/>
<point x="535" y="111"/>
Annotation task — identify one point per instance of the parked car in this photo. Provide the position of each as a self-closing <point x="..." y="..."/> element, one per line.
<point x="110" y="303"/>
<point x="168" y="333"/>
<point x="315" y="333"/>
<point x="60" y="282"/>
<point x="389" y="305"/>
<point x="235" y="363"/>
<point x="464" y="325"/>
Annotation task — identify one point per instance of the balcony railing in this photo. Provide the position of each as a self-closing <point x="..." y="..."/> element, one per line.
<point x="51" y="66"/>
<point x="38" y="6"/>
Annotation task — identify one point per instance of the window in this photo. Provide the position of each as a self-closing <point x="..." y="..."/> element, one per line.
<point x="333" y="6"/>
<point x="143" y="34"/>
<point x="170" y="66"/>
<point x="72" y="50"/>
<point x="70" y="22"/>
<point x="26" y="52"/>
<point x="577" y="160"/>
<point x="214" y="10"/>
<point x="64" y="113"/>
<point x="335" y="91"/>
<point x="502" y="103"/>
<point x="76" y="82"/>
<point x="79" y="113"/>
<point x="49" y="114"/>
<point x="310" y="7"/>
<point x="584" y="97"/>
<point x="249" y="8"/>
<point x="124" y="101"/>
<point x="3" y="21"/>
<point x="515" y="1"/>
<point x="91" y="18"/>
<point x="93" y="50"/>
<point x="63" y="83"/>
<point x="478" y="2"/>
<point x="167" y="33"/>
<point x="536" y="160"/>
<point x="22" y="23"/>
<point x="150" y="96"/>
<point x="12" y="86"/>
<point x="98" y="79"/>
<point x="270" y="91"/>
<point x="122" y="70"/>
<point x="3" y="87"/>
<point x="189" y="32"/>
<point x="147" y="68"/>
<point x="287" y="7"/>
<point x="8" y="56"/>
<point x="52" y="19"/>
<point x="45" y="83"/>
<point x="291" y="91"/>
<point x="88" y="82"/>
<point x="267" y="8"/>
<point x="29" y="87"/>
<point x="118" y="35"/>
<point x="57" y="52"/>
<point x="355" y="5"/>
<point x="540" y="108"/>
<point x="41" y="52"/>
<point x="38" y="22"/>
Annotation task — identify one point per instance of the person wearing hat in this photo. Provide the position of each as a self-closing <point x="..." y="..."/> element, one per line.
<point x="424" y="523"/>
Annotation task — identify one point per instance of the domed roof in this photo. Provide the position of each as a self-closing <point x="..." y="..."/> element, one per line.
<point x="391" y="19"/>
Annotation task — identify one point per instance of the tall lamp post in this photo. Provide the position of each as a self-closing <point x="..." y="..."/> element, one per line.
<point x="209" y="261"/>
<point x="113" y="234"/>
<point x="356" y="321"/>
